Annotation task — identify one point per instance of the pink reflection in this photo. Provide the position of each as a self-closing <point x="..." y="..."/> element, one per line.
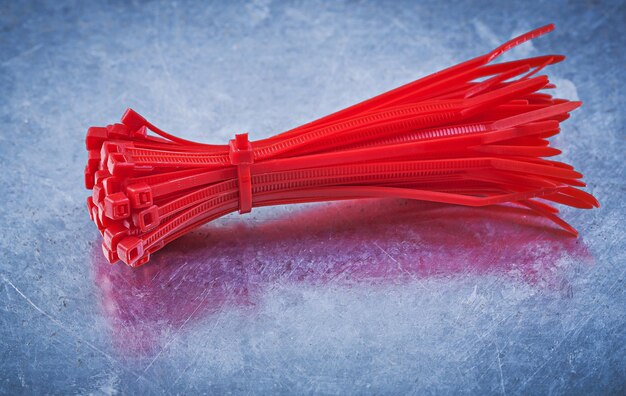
<point x="231" y="262"/>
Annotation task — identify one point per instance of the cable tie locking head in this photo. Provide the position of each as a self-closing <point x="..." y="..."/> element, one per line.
<point x="110" y="255"/>
<point x="100" y="175"/>
<point x="133" y="120"/>
<point x="116" y="206"/>
<point x="112" y="147"/>
<point x="93" y="165"/>
<point x="130" y="249"/>
<point x="140" y="195"/>
<point x="95" y="214"/>
<point x="119" y="165"/>
<point x="93" y="161"/>
<point x="89" y="178"/>
<point x="90" y="207"/>
<point x="126" y="132"/>
<point x="118" y="131"/>
<point x="112" y="185"/>
<point x="112" y="236"/>
<point x="147" y="219"/>
<point x="97" y="194"/>
<point x="96" y="136"/>
<point x="240" y="150"/>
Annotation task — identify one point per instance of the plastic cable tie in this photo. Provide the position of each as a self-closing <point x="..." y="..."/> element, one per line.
<point x="242" y="156"/>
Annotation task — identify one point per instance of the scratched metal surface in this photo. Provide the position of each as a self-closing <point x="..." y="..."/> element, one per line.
<point x="350" y="298"/>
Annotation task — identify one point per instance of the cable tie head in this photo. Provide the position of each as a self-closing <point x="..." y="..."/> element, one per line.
<point x="240" y="150"/>
<point x="116" y="206"/>
<point x="90" y="206"/>
<point x="96" y="136"/>
<point x="140" y="195"/>
<point x="112" y="185"/>
<point x="97" y="194"/>
<point x="110" y="255"/>
<point x="93" y="160"/>
<point x="147" y="219"/>
<point x="100" y="175"/>
<point x="119" y="131"/>
<point x="89" y="178"/>
<point x="113" y="234"/>
<point x="133" y="120"/>
<point x="119" y="165"/>
<point x="130" y="250"/>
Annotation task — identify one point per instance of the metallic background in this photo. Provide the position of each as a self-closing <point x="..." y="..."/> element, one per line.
<point x="358" y="297"/>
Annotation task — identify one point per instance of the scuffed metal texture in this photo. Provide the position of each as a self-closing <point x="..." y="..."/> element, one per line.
<point x="350" y="298"/>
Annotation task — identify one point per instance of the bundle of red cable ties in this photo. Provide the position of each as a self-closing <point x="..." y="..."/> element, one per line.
<point x="473" y="134"/>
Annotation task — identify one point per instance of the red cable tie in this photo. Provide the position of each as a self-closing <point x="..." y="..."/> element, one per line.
<point x="242" y="156"/>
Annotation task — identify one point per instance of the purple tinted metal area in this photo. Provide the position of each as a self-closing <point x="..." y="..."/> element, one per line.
<point x="345" y="246"/>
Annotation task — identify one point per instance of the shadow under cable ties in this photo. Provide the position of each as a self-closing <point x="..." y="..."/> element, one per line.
<point x="233" y="260"/>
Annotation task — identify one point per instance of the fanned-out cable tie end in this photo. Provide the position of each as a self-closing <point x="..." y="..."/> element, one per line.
<point x="474" y="134"/>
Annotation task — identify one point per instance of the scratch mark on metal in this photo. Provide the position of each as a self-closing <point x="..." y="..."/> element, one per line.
<point x="400" y="267"/>
<point x="57" y="322"/>
<point x="500" y="369"/>
<point x="203" y="299"/>
<point x="22" y="54"/>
